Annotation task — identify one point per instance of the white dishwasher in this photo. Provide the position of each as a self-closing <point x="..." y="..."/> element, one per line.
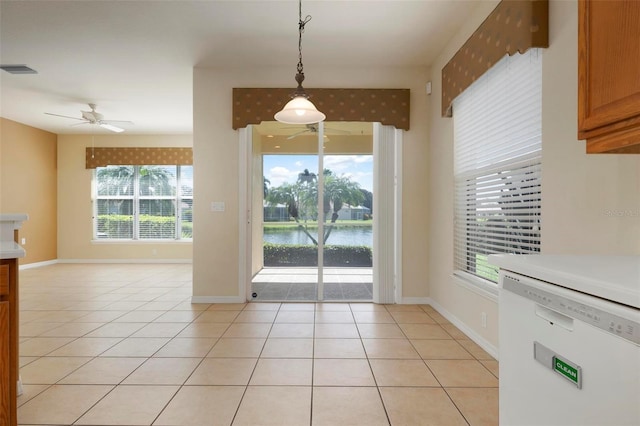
<point x="569" y="340"/>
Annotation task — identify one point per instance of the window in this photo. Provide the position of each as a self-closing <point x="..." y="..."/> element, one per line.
<point x="497" y="156"/>
<point x="143" y="202"/>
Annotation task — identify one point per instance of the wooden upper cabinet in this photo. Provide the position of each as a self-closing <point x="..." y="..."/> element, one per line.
<point x="609" y="75"/>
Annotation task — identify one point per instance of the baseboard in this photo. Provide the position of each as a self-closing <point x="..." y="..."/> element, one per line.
<point x="415" y="300"/>
<point x="481" y="341"/>
<point x="217" y="299"/>
<point x="180" y="261"/>
<point x="38" y="264"/>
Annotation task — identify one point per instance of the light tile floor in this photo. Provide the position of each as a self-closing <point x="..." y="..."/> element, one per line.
<point x="123" y="345"/>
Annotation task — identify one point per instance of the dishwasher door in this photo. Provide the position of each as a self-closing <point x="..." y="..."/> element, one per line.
<point x="566" y="358"/>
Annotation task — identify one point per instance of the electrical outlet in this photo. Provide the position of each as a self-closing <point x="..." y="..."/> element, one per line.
<point x="484" y="319"/>
<point x="24" y="241"/>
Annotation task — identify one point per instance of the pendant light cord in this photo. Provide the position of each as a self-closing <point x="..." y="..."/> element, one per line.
<point x="300" y="110"/>
<point x="301" y="25"/>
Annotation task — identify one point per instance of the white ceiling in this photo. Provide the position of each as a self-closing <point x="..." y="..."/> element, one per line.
<point x="134" y="59"/>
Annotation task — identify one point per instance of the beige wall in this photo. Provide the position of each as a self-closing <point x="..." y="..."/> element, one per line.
<point x="591" y="204"/>
<point x="216" y="257"/>
<point x="28" y="185"/>
<point x="75" y="227"/>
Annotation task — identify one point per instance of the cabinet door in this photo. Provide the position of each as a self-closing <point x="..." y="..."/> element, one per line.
<point x="5" y="366"/>
<point x="609" y="67"/>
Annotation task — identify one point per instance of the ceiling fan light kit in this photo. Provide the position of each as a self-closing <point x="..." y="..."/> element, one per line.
<point x="300" y="110"/>
<point x="112" y="128"/>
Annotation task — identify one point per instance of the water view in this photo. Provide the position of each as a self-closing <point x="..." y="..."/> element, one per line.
<point x="352" y="236"/>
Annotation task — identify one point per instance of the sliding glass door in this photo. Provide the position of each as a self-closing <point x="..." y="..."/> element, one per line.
<point x="312" y="219"/>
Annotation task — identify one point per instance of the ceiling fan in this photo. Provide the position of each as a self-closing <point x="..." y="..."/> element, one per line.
<point x="93" y="117"/>
<point x="313" y="128"/>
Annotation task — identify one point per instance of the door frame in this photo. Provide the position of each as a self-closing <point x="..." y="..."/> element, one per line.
<point x="387" y="245"/>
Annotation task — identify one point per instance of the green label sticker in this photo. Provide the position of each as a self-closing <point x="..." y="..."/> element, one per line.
<point x="568" y="371"/>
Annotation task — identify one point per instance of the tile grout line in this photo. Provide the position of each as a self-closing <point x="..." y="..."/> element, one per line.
<point x="246" y="387"/>
<point x="375" y="381"/>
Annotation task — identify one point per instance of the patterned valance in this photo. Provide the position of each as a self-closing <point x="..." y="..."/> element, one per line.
<point x="513" y="26"/>
<point x="101" y="157"/>
<point x="387" y="106"/>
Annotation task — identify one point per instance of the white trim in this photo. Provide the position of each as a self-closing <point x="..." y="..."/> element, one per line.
<point x="38" y="264"/>
<point x="398" y="215"/>
<point x="182" y="241"/>
<point x="481" y="341"/>
<point x="384" y="211"/>
<point x="217" y="299"/>
<point x="125" y="261"/>
<point x="484" y="288"/>
<point x="245" y="136"/>
<point x="321" y="213"/>
<point x="415" y="300"/>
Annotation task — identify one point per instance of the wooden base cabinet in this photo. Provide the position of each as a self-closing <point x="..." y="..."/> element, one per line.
<point x="609" y="75"/>
<point x="5" y="365"/>
<point x="8" y="343"/>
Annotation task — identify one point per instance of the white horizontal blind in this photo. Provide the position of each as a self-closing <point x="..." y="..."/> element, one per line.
<point x="185" y="201"/>
<point x="151" y="202"/>
<point x="497" y="154"/>
<point x="157" y="202"/>
<point x="113" y="217"/>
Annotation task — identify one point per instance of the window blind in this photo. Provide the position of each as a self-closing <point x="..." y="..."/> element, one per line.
<point x="148" y="202"/>
<point x="497" y="156"/>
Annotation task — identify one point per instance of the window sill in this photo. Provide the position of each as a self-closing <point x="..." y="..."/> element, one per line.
<point x="477" y="285"/>
<point x="141" y="241"/>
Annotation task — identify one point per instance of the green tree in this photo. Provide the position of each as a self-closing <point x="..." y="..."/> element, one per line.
<point x="339" y="191"/>
<point x="265" y="186"/>
<point x="295" y="198"/>
<point x="157" y="181"/>
<point x="154" y="181"/>
<point x="368" y="199"/>
<point x="301" y="199"/>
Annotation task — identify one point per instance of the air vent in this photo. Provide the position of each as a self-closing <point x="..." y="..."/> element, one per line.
<point x="18" y="69"/>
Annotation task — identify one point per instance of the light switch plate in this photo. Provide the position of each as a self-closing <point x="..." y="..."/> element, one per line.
<point x="217" y="206"/>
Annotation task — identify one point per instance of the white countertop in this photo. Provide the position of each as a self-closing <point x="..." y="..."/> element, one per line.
<point x="11" y="250"/>
<point x="9" y="222"/>
<point x="615" y="278"/>
<point x="13" y="217"/>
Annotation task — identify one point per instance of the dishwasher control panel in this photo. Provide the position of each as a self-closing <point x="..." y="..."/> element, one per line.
<point x="609" y="322"/>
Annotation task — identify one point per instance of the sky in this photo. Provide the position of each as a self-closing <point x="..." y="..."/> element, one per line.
<point x="285" y="168"/>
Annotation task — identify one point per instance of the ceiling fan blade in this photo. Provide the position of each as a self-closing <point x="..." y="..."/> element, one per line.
<point x="336" y="131"/>
<point x="116" y="121"/>
<point x="112" y="128"/>
<point x="81" y="124"/>
<point x="298" y="134"/>
<point x="65" y="116"/>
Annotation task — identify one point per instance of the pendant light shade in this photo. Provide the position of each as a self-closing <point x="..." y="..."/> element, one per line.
<point x="300" y="110"/>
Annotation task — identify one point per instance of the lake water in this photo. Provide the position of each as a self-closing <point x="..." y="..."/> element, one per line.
<point x="357" y="236"/>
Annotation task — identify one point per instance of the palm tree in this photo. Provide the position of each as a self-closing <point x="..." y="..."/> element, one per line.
<point x="301" y="199"/>
<point x="157" y="181"/>
<point x="265" y="186"/>
<point x="339" y="191"/>
<point x="294" y="197"/>
<point x="115" y="180"/>
<point x="118" y="182"/>
<point x="307" y="177"/>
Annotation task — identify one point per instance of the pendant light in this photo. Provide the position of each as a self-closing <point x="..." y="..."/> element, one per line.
<point x="300" y="110"/>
